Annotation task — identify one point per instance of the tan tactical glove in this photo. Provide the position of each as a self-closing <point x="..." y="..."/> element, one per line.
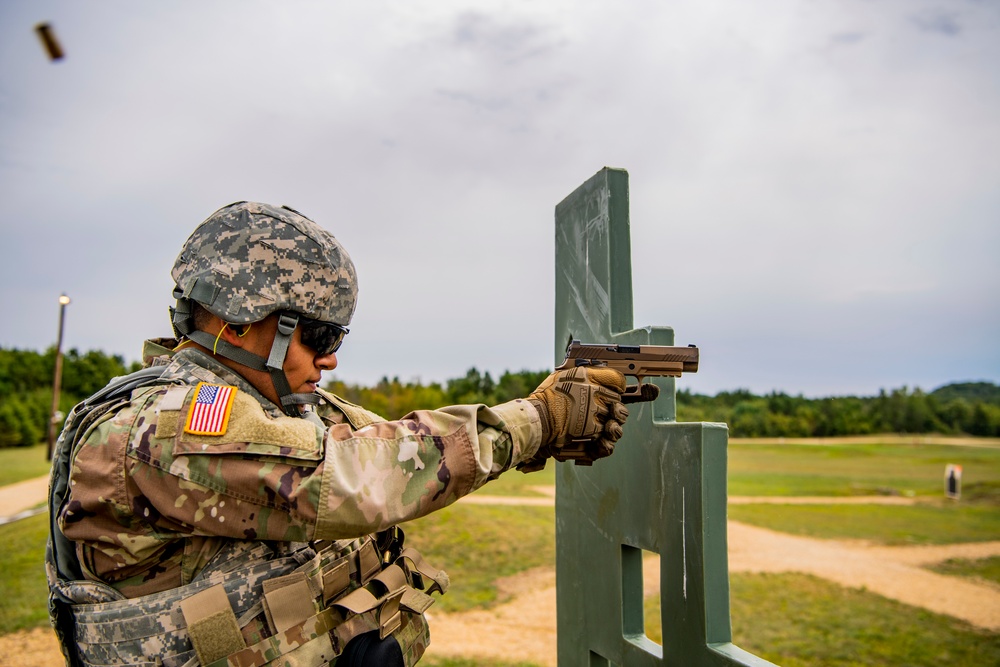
<point x="582" y="415"/>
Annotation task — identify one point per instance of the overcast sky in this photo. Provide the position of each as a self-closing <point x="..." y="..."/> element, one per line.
<point x="815" y="184"/>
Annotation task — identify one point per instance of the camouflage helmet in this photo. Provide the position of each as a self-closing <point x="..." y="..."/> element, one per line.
<point x="248" y="260"/>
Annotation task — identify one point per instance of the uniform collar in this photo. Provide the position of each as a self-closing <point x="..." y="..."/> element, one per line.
<point x="191" y="365"/>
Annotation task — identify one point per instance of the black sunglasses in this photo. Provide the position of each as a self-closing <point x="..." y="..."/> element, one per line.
<point x="323" y="337"/>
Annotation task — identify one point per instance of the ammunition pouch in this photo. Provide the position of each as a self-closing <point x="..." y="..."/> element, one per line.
<point x="258" y="604"/>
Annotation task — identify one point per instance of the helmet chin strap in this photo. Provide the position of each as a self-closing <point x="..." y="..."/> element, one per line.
<point x="182" y="318"/>
<point x="275" y="366"/>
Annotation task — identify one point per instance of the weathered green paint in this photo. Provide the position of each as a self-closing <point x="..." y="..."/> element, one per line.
<point x="663" y="491"/>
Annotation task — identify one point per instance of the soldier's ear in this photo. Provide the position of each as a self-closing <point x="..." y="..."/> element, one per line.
<point x="234" y="334"/>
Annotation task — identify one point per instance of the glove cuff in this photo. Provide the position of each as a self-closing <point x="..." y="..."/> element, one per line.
<point x="544" y="418"/>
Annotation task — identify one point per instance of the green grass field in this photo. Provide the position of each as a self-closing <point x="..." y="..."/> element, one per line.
<point x="855" y="469"/>
<point x="797" y="620"/>
<point x="983" y="570"/>
<point x="893" y="525"/>
<point x="787" y="618"/>
<point x="869" y="469"/>
<point x="21" y="463"/>
<point x="518" y="484"/>
<point x="477" y="544"/>
<point x="22" y="574"/>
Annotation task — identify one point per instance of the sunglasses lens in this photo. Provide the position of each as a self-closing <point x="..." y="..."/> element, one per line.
<point x="323" y="337"/>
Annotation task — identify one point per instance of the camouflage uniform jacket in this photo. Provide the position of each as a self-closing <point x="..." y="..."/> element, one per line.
<point x="151" y="503"/>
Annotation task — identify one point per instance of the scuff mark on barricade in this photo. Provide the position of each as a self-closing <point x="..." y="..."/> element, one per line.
<point x="684" y="550"/>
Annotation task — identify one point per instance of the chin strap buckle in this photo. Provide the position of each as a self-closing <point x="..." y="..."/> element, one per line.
<point x="279" y="348"/>
<point x="287" y="323"/>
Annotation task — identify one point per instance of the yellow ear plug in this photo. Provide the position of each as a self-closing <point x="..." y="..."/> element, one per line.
<point x="215" y="347"/>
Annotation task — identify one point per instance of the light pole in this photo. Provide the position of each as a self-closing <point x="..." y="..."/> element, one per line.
<point x="57" y="378"/>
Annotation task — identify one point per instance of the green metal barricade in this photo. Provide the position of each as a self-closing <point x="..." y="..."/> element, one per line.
<point x="663" y="491"/>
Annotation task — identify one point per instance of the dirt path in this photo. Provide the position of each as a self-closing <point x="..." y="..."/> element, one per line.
<point x="22" y="498"/>
<point x="524" y="629"/>
<point x="893" y="572"/>
<point x="34" y="648"/>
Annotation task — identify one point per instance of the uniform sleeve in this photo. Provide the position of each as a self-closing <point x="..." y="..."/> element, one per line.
<point x="290" y="479"/>
<point x="391" y="472"/>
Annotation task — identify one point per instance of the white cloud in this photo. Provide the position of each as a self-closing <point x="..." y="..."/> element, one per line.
<point x="809" y="174"/>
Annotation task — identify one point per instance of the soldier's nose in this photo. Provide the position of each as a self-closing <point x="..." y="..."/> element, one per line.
<point x="327" y="362"/>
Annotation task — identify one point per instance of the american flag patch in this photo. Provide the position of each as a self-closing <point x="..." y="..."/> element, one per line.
<point x="209" y="413"/>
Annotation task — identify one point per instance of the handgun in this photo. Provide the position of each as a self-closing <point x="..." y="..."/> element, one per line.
<point x="638" y="361"/>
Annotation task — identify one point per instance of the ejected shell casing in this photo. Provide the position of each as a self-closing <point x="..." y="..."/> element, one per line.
<point x="49" y="41"/>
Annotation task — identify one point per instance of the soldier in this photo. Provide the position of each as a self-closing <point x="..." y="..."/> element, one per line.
<point x="218" y="507"/>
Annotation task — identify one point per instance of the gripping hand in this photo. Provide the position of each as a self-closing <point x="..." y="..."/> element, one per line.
<point x="582" y="415"/>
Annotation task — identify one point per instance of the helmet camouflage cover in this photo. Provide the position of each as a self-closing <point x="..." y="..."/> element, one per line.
<point x="248" y="260"/>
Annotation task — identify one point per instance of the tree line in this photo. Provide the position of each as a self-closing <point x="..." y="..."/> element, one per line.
<point x="971" y="408"/>
<point x="26" y="388"/>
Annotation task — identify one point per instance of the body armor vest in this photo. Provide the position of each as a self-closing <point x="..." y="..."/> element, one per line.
<point x="256" y="603"/>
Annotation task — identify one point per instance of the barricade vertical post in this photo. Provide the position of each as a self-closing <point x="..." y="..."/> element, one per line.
<point x="663" y="491"/>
